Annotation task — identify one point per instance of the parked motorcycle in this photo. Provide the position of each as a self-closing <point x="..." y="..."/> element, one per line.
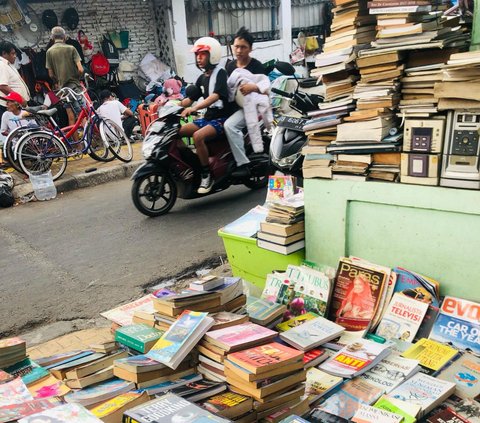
<point x="172" y="170"/>
<point x="288" y="137"/>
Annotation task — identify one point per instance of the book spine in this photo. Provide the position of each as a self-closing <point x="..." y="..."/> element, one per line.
<point x="399" y="9"/>
<point x="128" y="419"/>
<point x="374" y="4"/>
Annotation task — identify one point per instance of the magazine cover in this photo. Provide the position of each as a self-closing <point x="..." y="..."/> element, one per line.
<point x="308" y="290"/>
<point x="71" y="413"/>
<point x="123" y="315"/>
<point x="356" y="294"/>
<point x="17" y="411"/>
<point x="14" y="392"/>
<point x="273" y="285"/>
<point x="465" y="372"/>
<point x="458" y="323"/>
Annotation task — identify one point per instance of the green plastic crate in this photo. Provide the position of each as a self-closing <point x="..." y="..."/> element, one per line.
<point x="252" y="263"/>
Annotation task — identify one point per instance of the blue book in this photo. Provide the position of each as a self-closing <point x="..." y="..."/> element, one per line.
<point x="69" y="360"/>
<point x="28" y="370"/>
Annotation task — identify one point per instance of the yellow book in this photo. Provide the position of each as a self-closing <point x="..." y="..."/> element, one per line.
<point x="48" y="387"/>
<point x="431" y="355"/>
<point x="112" y="410"/>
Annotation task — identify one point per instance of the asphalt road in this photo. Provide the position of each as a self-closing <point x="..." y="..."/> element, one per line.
<point x="90" y="250"/>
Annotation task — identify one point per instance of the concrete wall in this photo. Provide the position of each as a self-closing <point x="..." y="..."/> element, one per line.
<point x="97" y="17"/>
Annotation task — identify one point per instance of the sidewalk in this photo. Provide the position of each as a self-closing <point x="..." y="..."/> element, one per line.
<point x="76" y="177"/>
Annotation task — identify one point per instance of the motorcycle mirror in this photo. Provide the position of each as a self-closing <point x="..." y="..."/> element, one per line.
<point x="285" y="68"/>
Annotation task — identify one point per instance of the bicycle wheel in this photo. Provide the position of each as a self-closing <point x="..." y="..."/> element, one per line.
<point x="40" y="152"/>
<point x="117" y="141"/>
<point x="97" y="149"/>
<point x="9" y="146"/>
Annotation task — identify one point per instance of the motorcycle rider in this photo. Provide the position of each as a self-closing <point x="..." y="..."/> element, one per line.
<point x="242" y="47"/>
<point x="213" y="87"/>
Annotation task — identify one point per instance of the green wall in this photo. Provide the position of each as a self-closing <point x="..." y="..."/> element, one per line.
<point x="434" y="231"/>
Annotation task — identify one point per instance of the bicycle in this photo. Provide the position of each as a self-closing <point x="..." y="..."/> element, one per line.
<point x="48" y="149"/>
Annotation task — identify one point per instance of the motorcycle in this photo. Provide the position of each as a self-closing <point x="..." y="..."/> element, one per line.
<point x="172" y="170"/>
<point x="288" y="137"/>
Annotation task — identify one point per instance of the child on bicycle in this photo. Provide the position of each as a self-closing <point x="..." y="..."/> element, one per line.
<point x="212" y="85"/>
<point x="13" y="117"/>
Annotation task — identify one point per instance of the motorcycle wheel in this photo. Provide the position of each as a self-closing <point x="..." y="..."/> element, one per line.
<point x="257" y="182"/>
<point x="154" y="194"/>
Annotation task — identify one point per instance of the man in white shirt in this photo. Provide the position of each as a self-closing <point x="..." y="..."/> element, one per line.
<point x="115" y="111"/>
<point x="10" y="79"/>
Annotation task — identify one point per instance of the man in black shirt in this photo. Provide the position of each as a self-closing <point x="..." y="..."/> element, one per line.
<point x="212" y="86"/>
<point x="234" y="125"/>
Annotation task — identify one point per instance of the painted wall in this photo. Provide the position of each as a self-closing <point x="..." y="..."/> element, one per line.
<point x="431" y="230"/>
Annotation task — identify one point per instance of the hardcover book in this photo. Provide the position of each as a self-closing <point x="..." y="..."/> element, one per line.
<point x="296" y="321"/>
<point x="71" y="413"/>
<point x="369" y="414"/>
<point x="423" y="390"/>
<point x="349" y="397"/>
<point x="355" y="358"/>
<point x="180" y="339"/>
<point x="139" y="337"/>
<point x="312" y="333"/>
<point x="391" y="371"/>
<point x="319" y="383"/>
<point x="458" y="323"/>
<point x="265" y="357"/>
<point x="402" y="319"/>
<point x="431" y="355"/>
<point x="100" y="392"/>
<point x="465" y="372"/>
<point x="170" y="408"/>
<point x="15" y="412"/>
<point x="240" y="336"/>
<point x="357" y="292"/>
<point x="14" y="392"/>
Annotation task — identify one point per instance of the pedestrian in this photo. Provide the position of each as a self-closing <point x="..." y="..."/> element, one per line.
<point x="112" y="109"/>
<point x="236" y="123"/>
<point x="10" y="79"/>
<point x="65" y="68"/>
<point x="212" y="86"/>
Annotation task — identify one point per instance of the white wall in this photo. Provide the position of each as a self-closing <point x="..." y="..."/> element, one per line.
<point x="263" y="51"/>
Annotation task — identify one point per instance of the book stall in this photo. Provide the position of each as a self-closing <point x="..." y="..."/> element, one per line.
<point x="349" y="301"/>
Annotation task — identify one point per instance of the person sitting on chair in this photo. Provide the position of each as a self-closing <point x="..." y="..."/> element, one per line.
<point x="112" y="109"/>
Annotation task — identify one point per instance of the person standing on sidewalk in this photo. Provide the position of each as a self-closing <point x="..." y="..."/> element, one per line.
<point x="10" y="79"/>
<point x="234" y="125"/>
<point x="65" y="68"/>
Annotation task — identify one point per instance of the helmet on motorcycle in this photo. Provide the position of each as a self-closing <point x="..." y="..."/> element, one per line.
<point x="212" y="46"/>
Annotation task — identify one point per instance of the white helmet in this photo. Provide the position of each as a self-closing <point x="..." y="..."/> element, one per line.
<point x="212" y="46"/>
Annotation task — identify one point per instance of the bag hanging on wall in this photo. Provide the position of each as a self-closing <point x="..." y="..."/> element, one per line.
<point x="110" y="52"/>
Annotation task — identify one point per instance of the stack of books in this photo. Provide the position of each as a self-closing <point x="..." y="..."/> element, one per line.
<point x="459" y="88"/>
<point x="226" y="297"/>
<point x="269" y="373"/>
<point x="264" y="312"/>
<point x="12" y="350"/>
<point x="286" y="212"/>
<point x="351" y="166"/>
<point x="417" y="25"/>
<point x="385" y="167"/>
<point x="216" y="344"/>
<point x="317" y="162"/>
<point x="281" y="234"/>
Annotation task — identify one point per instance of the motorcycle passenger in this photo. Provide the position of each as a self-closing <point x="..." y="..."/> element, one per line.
<point x="213" y="87"/>
<point x="242" y="47"/>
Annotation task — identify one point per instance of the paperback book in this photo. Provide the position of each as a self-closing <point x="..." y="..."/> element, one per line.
<point x="319" y="383"/>
<point x="28" y="370"/>
<point x="407" y="410"/>
<point x="140" y="337"/>
<point x="263" y="312"/>
<point x="100" y="392"/>
<point x="465" y="372"/>
<point x="355" y="358"/>
<point x="369" y="414"/>
<point x="296" y="321"/>
<point x="14" y="392"/>
<point x="66" y="413"/>
<point x="312" y="333"/>
<point x="123" y="315"/>
<point x="15" y="412"/>
<point x="181" y="338"/>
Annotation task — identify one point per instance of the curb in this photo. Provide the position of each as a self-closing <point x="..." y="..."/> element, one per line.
<point x="84" y="180"/>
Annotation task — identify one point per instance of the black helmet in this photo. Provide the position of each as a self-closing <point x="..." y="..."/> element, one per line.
<point x="70" y="18"/>
<point x="49" y="18"/>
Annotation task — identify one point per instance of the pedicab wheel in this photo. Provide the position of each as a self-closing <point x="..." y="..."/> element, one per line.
<point x="98" y="149"/>
<point x="154" y="194"/>
<point x="9" y="147"/>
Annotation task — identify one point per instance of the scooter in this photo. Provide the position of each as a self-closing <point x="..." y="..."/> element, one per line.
<point x="172" y="170"/>
<point x="288" y="136"/>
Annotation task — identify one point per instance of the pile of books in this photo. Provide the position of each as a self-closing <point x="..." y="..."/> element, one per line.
<point x="283" y="229"/>
<point x="385" y="167"/>
<point x="12" y="350"/>
<point x="317" y="162"/>
<point x="419" y="24"/>
<point x="459" y="87"/>
<point x="351" y="166"/>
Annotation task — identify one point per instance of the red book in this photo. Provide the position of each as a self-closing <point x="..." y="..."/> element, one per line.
<point x="266" y="357"/>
